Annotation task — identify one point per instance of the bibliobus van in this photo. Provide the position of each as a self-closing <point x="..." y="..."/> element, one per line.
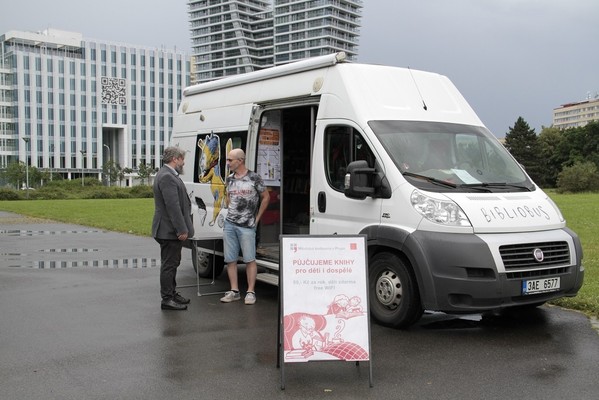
<point x="453" y="222"/>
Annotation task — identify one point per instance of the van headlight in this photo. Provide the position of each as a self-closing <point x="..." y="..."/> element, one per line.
<point x="444" y="212"/>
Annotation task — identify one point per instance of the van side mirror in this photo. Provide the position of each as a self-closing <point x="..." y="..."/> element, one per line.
<point x="358" y="180"/>
<point x="362" y="181"/>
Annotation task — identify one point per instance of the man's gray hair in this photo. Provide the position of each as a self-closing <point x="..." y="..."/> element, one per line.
<point x="172" y="152"/>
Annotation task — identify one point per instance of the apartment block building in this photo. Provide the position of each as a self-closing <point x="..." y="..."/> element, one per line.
<point x="230" y="37"/>
<point x="69" y="104"/>
<point x="580" y="113"/>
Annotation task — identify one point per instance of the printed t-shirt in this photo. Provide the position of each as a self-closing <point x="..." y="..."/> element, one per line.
<point x="244" y="195"/>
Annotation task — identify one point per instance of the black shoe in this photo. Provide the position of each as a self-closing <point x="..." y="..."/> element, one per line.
<point x="180" y="299"/>
<point x="172" y="305"/>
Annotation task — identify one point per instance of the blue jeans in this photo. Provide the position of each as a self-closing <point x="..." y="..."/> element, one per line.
<point x="239" y="238"/>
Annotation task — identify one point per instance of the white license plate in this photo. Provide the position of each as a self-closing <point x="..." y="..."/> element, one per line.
<point x="540" y="285"/>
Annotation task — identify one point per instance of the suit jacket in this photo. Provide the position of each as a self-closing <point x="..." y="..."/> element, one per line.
<point x="172" y="206"/>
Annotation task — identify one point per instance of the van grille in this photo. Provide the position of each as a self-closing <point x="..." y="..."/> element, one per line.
<point x="521" y="256"/>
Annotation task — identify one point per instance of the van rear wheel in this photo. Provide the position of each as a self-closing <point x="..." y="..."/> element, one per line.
<point x="203" y="262"/>
<point x="394" y="297"/>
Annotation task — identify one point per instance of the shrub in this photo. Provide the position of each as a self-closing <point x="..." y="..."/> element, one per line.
<point x="9" y="194"/>
<point x="580" y="177"/>
<point x="99" y="194"/>
<point x="65" y="189"/>
<point x="142" y="191"/>
<point x="50" y="193"/>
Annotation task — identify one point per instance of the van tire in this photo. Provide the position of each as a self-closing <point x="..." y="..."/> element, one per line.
<point x="203" y="263"/>
<point x="394" y="297"/>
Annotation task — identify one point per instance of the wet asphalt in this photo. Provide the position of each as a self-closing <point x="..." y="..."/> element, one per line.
<point x="80" y="318"/>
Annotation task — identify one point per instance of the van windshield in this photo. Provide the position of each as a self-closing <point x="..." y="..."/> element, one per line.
<point x="446" y="156"/>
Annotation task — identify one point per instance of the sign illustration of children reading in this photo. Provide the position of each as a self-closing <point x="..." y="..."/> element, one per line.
<point x="307" y="337"/>
<point x="344" y="307"/>
<point x="324" y="299"/>
<point x="326" y="336"/>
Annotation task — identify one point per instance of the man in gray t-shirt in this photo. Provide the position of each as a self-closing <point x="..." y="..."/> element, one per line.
<point x="244" y="198"/>
<point x="247" y="199"/>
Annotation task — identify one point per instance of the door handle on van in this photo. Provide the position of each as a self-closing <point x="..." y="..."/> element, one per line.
<point x="322" y="202"/>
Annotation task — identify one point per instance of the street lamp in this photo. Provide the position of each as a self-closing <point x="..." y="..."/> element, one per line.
<point x="82" y="165"/>
<point x="51" y="163"/>
<point x="108" y="170"/>
<point x="26" y="140"/>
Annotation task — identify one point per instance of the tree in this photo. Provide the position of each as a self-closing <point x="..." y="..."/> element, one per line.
<point x="122" y="173"/>
<point x="144" y="172"/>
<point x="591" y="144"/>
<point x="580" y="177"/>
<point x="15" y="173"/>
<point x="111" y="171"/>
<point x="552" y="146"/>
<point x="521" y="141"/>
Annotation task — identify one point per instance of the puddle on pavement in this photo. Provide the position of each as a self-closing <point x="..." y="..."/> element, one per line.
<point x="463" y="322"/>
<point x="139" y="262"/>
<point x="20" y="232"/>
<point x="113" y="263"/>
<point x="68" y="250"/>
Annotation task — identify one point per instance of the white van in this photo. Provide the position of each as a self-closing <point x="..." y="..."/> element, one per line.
<point x="453" y="223"/>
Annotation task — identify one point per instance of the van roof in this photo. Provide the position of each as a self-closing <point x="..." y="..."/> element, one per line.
<point x="360" y="92"/>
<point x="268" y="73"/>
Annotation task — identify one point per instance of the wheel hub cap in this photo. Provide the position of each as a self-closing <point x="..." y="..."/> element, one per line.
<point x="388" y="289"/>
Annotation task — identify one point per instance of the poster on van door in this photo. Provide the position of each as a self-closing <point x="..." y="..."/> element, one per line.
<point x="269" y="148"/>
<point x="324" y="298"/>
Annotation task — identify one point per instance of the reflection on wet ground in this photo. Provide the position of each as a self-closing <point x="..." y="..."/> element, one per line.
<point x="68" y="250"/>
<point x="519" y="316"/>
<point x="13" y="258"/>
<point x="113" y="263"/>
<point x="20" y="232"/>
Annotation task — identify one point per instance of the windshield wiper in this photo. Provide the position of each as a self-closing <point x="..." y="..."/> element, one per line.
<point x="490" y="185"/>
<point x="430" y="179"/>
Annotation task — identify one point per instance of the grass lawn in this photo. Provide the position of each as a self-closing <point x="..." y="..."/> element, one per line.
<point x="580" y="211"/>
<point x="135" y="216"/>
<point x="120" y="215"/>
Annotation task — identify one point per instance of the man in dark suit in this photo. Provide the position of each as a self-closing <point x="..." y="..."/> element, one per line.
<point x="172" y="224"/>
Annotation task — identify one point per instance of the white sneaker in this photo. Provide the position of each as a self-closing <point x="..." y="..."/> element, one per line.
<point x="250" y="298"/>
<point x="230" y="296"/>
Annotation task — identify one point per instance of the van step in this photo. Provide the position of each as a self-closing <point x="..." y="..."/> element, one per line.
<point x="271" y="279"/>
<point x="268" y="265"/>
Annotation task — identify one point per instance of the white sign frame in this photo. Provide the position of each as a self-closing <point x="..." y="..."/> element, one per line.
<point x="323" y="300"/>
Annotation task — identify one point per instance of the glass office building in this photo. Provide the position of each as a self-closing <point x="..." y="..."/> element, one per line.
<point x="69" y="104"/>
<point x="231" y="37"/>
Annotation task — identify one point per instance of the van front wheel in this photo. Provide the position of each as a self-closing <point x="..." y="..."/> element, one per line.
<point x="394" y="296"/>
<point x="203" y="262"/>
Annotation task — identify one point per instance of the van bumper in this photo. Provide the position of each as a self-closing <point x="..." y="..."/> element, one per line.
<point x="466" y="273"/>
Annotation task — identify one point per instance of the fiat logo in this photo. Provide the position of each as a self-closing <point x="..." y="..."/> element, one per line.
<point x="538" y="253"/>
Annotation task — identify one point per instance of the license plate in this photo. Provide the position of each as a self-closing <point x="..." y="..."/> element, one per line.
<point x="533" y="286"/>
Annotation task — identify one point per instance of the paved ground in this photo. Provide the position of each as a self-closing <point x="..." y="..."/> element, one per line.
<point x="80" y="318"/>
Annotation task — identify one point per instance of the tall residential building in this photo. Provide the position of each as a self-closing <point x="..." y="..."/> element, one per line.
<point x="576" y="114"/>
<point x="69" y="104"/>
<point x="230" y="37"/>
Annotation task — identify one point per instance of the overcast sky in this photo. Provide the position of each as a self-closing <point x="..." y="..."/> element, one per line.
<point x="509" y="58"/>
